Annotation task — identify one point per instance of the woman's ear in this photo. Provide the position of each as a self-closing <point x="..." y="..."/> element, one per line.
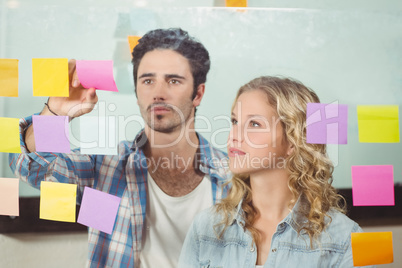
<point x="291" y="149"/>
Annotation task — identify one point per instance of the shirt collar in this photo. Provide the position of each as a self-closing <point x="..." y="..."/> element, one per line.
<point x="205" y="155"/>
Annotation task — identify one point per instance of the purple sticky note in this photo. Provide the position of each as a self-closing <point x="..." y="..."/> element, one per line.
<point x="98" y="210"/>
<point x="373" y="185"/>
<point x="327" y="123"/>
<point x="51" y="133"/>
<point x="97" y="74"/>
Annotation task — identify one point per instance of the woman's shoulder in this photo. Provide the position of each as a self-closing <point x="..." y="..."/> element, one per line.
<point x="340" y="219"/>
<point x="341" y="226"/>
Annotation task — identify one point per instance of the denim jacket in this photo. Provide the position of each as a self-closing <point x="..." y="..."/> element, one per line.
<point x="236" y="249"/>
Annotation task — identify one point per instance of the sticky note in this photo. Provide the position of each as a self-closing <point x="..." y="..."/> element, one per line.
<point x="327" y="123"/>
<point x="9" y="135"/>
<point x="51" y="133"/>
<point x="133" y="41"/>
<point x="57" y="201"/>
<point x="97" y="74"/>
<point x="50" y="77"/>
<point x="9" y="77"/>
<point x="372" y="248"/>
<point x="98" y="135"/>
<point x="378" y="123"/>
<point x="98" y="210"/>
<point x="236" y="3"/>
<point x="9" y="197"/>
<point x="373" y="185"/>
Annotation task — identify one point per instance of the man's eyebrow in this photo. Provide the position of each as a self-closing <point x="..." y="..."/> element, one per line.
<point x="147" y="75"/>
<point x="174" y="76"/>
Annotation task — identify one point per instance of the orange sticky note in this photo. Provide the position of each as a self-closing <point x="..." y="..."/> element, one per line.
<point x="372" y="248"/>
<point x="133" y="41"/>
<point x="10" y="135"/>
<point x="9" y="200"/>
<point x="8" y="77"/>
<point x="50" y="77"/>
<point x="236" y="3"/>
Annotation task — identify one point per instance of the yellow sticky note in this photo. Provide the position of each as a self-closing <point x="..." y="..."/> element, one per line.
<point x="9" y="198"/>
<point x="50" y="77"/>
<point x="378" y="123"/>
<point x="372" y="248"/>
<point x="57" y="201"/>
<point x="236" y="3"/>
<point x="8" y="77"/>
<point x="9" y="135"/>
<point x="133" y="41"/>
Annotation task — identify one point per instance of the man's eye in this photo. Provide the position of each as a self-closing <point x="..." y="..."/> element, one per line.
<point x="147" y="81"/>
<point x="174" y="81"/>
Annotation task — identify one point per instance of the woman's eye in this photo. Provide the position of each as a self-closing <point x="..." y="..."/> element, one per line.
<point x="234" y="121"/>
<point x="254" y="124"/>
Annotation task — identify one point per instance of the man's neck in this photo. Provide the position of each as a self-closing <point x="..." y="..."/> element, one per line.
<point x="171" y="162"/>
<point x="180" y="146"/>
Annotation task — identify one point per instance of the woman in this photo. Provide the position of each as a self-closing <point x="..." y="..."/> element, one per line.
<point x="282" y="210"/>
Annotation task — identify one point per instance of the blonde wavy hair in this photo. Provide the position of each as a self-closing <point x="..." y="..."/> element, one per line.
<point x="309" y="167"/>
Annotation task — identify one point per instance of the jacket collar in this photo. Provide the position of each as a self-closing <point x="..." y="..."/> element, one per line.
<point x="295" y="219"/>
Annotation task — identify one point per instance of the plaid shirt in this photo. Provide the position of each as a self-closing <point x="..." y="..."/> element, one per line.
<point x="125" y="176"/>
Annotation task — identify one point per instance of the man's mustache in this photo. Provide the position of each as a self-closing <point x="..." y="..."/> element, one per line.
<point x="160" y="105"/>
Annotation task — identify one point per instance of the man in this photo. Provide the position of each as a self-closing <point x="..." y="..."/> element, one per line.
<point x="164" y="177"/>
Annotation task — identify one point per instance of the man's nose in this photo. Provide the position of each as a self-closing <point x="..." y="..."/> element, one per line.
<point x="160" y="92"/>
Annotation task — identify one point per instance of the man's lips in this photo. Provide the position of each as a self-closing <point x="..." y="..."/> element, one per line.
<point x="159" y="109"/>
<point x="234" y="152"/>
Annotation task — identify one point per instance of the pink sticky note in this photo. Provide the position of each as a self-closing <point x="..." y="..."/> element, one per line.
<point x="327" y="123"/>
<point x="373" y="185"/>
<point x="97" y="74"/>
<point x="51" y="133"/>
<point x="9" y="198"/>
<point x="98" y="210"/>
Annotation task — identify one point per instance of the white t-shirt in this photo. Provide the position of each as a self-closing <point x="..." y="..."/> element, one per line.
<point x="167" y="222"/>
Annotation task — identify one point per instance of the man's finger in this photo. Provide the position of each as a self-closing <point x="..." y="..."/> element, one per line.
<point x="72" y="72"/>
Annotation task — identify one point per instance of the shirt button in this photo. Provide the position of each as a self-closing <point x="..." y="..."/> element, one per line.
<point x="274" y="250"/>
<point x="252" y="249"/>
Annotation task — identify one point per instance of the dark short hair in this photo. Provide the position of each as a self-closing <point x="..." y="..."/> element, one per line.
<point x="177" y="40"/>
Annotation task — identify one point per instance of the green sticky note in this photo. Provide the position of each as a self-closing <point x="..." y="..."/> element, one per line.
<point x="50" y="77"/>
<point x="57" y="201"/>
<point x="378" y="123"/>
<point x="9" y="135"/>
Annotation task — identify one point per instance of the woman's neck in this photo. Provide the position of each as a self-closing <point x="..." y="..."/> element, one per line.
<point x="271" y="193"/>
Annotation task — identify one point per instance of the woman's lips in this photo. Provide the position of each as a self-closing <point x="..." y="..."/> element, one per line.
<point x="234" y="152"/>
